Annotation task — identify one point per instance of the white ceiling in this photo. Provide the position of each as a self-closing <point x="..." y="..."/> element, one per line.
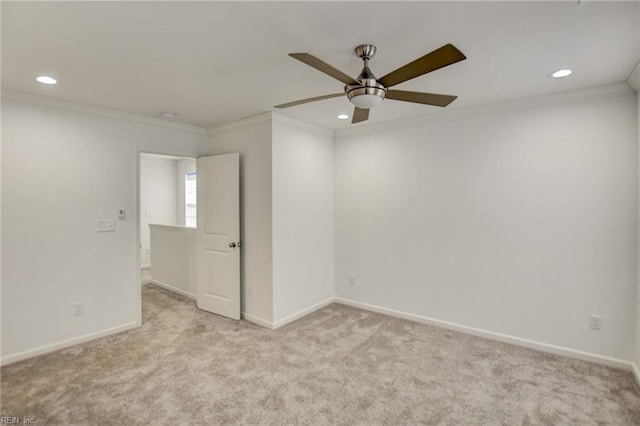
<point x="213" y="62"/>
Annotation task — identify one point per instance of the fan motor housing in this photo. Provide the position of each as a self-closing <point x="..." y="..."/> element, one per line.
<point x="369" y="90"/>
<point x="353" y="90"/>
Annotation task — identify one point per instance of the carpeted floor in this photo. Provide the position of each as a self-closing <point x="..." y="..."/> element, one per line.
<point x="145" y="275"/>
<point x="339" y="365"/>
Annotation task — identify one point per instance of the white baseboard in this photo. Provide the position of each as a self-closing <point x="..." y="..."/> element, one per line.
<point x="543" y="347"/>
<point x="174" y="289"/>
<point x="257" y="320"/>
<point x="286" y="320"/>
<point x="9" y="359"/>
<point x="531" y="344"/>
<point x="636" y="372"/>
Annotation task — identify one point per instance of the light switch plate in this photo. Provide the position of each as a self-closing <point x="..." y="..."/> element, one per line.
<point x="105" y="226"/>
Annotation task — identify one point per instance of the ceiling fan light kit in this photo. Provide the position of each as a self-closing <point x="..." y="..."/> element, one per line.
<point x="366" y="97"/>
<point x="366" y="91"/>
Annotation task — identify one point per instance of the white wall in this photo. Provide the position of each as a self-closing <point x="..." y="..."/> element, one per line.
<point x="158" y="198"/>
<point x="173" y="256"/>
<point x="63" y="168"/>
<point x="515" y="220"/>
<point x="252" y="139"/>
<point x="521" y="221"/>
<point x="634" y="82"/>
<point x="183" y="166"/>
<point x="303" y="200"/>
<point x="637" y="323"/>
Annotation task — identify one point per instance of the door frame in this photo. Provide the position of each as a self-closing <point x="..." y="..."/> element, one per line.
<point x="136" y="215"/>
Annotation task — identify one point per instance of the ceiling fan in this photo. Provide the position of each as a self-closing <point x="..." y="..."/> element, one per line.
<point x="367" y="91"/>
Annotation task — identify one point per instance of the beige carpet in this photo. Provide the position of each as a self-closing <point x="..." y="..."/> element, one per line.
<point x="145" y="275"/>
<point x="337" y="366"/>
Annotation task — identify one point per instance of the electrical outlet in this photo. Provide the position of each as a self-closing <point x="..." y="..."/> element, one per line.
<point x="352" y="280"/>
<point x="78" y="308"/>
<point x="595" y="322"/>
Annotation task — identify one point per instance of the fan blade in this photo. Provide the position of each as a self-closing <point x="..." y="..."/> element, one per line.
<point x="420" y="98"/>
<point x="320" y="65"/>
<point x="304" y="101"/>
<point x="359" y="114"/>
<point x="439" y="58"/>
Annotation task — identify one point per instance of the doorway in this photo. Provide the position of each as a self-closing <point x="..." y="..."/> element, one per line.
<point x="167" y="196"/>
<point x="168" y="201"/>
<point x="186" y="246"/>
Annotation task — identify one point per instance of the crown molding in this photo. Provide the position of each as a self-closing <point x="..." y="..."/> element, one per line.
<point x="594" y="93"/>
<point x="255" y="120"/>
<point x="634" y="78"/>
<point x="305" y="126"/>
<point x="44" y="100"/>
<point x="269" y="118"/>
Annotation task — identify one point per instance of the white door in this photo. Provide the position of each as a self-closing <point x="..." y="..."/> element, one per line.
<point x="218" y="234"/>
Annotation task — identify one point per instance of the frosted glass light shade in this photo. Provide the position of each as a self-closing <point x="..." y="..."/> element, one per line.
<point x="366" y="101"/>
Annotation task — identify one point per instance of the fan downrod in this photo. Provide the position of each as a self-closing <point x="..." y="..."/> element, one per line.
<point x="368" y="92"/>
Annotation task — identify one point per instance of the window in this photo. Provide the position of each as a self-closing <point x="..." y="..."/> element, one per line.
<point x="190" y="197"/>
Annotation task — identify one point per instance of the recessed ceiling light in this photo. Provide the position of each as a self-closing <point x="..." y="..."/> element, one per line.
<point x="45" y="79"/>
<point x="169" y="114"/>
<point x="561" y="73"/>
<point x="343" y="116"/>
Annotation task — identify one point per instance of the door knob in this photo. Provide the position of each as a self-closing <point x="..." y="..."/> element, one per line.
<point x="232" y="245"/>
